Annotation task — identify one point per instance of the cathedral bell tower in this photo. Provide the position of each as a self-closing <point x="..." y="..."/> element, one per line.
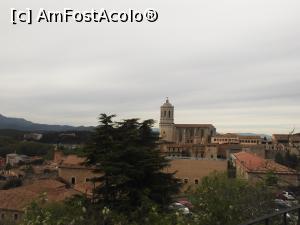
<point x="166" y="124"/>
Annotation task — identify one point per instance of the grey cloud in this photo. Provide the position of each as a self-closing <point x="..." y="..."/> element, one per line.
<point x="234" y="63"/>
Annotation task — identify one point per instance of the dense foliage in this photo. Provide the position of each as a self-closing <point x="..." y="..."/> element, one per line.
<point x="70" y="137"/>
<point x="220" y="200"/>
<point x="8" y="145"/>
<point x="217" y="200"/>
<point x="11" y="141"/>
<point x="80" y="211"/>
<point x="32" y="148"/>
<point x="126" y="153"/>
<point x="288" y="159"/>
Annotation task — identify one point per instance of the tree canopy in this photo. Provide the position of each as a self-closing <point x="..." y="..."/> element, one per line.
<point x="221" y="200"/>
<point x="126" y="153"/>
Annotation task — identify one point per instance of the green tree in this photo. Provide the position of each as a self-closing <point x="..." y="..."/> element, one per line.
<point x="279" y="158"/>
<point x="220" y="200"/>
<point x="80" y="211"/>
<point x="8" y="167"/>
<point x="289" y="160"/>
<point x="271" y="179"/>
<point x="127" y="155"/>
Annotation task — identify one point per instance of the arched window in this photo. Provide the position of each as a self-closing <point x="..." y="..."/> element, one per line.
<point x="165" y="113"/>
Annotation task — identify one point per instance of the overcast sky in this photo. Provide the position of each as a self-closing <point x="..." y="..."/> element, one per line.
<point x="235" y="64"/>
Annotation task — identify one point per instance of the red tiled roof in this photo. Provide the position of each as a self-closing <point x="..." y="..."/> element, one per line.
<point x="254" y="163"/>
<point x="73" y="160"/>
<point x="18" y="198"/>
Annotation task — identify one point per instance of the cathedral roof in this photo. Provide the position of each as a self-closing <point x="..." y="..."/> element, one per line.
<point x="194" y="125"/>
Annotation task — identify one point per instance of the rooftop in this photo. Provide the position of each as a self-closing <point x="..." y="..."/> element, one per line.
<point x="228" y="135"/>
<point x="232" y="135"/>
<point x="285" y="137"/>
<point x="254" y="163"/>
<point x="72" y="160"/>
<point x="193" y="125"/>
<point x="20" y="197"/>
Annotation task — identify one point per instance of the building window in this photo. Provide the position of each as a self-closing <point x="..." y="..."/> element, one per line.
<point x="73" y="180"/>
<point x="87" y="180"/>
<point x="16" y="216"/>
<point x="2" y="216"/>
<point x="165" y="113"/>
<point x="169" y="114"/>
<point x="196" y="181"/>
<point x="185" y="180"/>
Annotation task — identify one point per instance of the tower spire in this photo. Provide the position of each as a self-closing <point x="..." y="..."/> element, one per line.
<point x="166" y="123"/>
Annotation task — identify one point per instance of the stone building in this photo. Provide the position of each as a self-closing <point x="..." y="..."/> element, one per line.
<point x="191" y="171"/>
<point x="14" y="201"/>
<point x="236" y="139"/>
<point x="184" y="140"/>
<point x="13" y="159"/>
<point x="292" y="139"/>
<point x="182" y="133"/>
<point x="72" y="169"/>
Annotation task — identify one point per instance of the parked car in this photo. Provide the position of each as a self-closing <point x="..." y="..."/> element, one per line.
<point x="281" y="204"/>
<point x="287" y="196"/>
<point x="186" y="203"/>
<point x="179" y="208"/>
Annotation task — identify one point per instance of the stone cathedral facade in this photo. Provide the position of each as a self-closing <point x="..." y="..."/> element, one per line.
<point x="182" y="134"/>
<point x="185" y="140"/>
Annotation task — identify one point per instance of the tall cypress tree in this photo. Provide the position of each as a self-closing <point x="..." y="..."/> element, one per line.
<point x="127" y="155"/>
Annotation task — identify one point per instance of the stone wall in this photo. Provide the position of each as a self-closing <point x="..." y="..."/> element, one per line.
<point x="192" y="171"/>
<point x="80" y="174"/>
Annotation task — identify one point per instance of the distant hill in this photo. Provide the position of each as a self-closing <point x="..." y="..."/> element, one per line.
<point x="25" y="125"/>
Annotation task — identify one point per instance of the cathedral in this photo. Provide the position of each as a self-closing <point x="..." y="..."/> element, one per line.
<point x="193" y="134"/>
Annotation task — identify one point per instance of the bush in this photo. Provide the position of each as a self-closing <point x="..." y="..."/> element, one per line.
<point x="220" y="200"/>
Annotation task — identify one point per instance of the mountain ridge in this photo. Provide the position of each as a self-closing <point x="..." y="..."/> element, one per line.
<point x="25" y="125"/>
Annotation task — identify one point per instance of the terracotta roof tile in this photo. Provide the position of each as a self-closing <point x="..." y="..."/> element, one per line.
<point x="18" y="198"/>
<point x="254" y="163"/>
<point x="73" y="160"/>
